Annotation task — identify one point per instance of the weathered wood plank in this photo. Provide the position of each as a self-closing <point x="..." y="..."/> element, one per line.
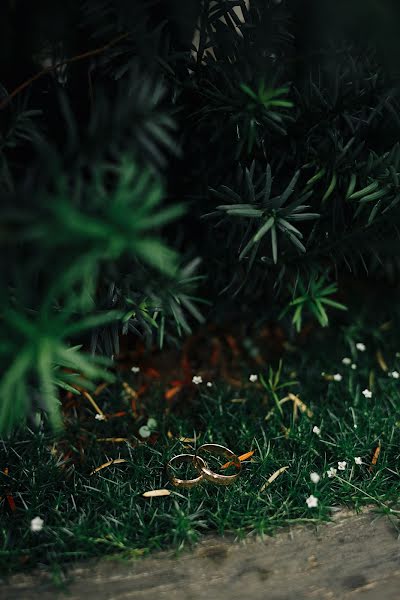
<point x="352" y="557"/>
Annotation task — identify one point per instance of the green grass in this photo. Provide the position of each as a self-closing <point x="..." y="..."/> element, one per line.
<point x="104" y="513"/>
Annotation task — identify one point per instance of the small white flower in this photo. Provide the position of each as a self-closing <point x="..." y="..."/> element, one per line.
<point x="152" y="424"/>
<point x="342" y="464"/>
<point x="394" y="374"/>
<point x="37" y="524"/>
<point x="100" y="417"/>
<point x="354" y="366"/>
<point x="322" y="373"/>
<point x="135" y="369"/>
<point x="355" y="425"/>
<point x="346" y="360"/>
<point x="357" y="460"/>
<point x="144" y="432"/>
<point x="331" y="472"/>
<point x="312" y="502"/>
<point x="337" y="377"/>
<point x="209" y="384"/>
<point x="367" y="393"/>
<point x="197" y="379"/>
<point x="315" y="477"/>
<point x="253" y="378"/>
<point x="316" y="430"/>
<point x="361" y="347"/>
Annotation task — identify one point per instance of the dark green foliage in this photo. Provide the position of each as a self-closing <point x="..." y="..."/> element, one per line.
<point x="277" y="120"/>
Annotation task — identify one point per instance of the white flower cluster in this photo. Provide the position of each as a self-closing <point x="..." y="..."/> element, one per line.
<point x="312" y="501"/>
<point x="347" y="361"/>
<point x="197" y="379"/>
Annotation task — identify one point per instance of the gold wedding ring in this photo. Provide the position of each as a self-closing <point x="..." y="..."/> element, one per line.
<point x="202" y="468"/>
<point x="186" y="458"/>
<point x="209" y="475"/>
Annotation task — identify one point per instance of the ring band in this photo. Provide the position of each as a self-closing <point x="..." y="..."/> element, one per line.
<point x="209" y="475"/>
<point x="183" y="458"/>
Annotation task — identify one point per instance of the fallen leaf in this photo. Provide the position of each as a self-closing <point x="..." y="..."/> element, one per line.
<point x="375" y="456"/>
<point x="242" y="457"/>
<point x="156" y="493"/>
<point x="169" y="394"/>
<point x="273" y="477"/>
<point x="187" y="440"/>
<point x="111" y="439"/>
<point x="121" y="413"/>
<point x="100" y="388"/>
<point x="116" y="461"/>
<point x="247" y="455"/>
<point x="297" y="404"/>
<point x="11" y="503"/>
<point x="153" y="373"/>
<point x="129" y="390"/>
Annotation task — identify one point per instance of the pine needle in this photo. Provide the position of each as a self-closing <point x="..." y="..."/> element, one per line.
<point x="273" y="477"/>
<point x="94" y="404"/>
<point x="112" y="439"/>
<point x="156" y="493"/>
<point x="241" y="458"/>
<point x="115" y="461"/>
<point x="297" y="404"/>
<point x="381" y="361"/>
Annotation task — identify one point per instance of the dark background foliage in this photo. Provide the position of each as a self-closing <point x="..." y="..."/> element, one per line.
<point x="181" y="160"/>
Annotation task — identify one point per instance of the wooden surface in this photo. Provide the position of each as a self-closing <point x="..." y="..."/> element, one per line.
<point x="353" y="557"/>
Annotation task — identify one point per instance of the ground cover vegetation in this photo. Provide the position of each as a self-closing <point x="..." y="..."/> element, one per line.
<point x="319" y="429"/>
<point x="195" y="191"/>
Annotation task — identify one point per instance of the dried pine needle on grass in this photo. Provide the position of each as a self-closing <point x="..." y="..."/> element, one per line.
<point x="115" y="461"/>
<point x="273" y="477"/>
<point x="156" y="493"/>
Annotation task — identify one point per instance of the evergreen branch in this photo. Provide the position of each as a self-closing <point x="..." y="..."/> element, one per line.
<point x="68" y="61"/>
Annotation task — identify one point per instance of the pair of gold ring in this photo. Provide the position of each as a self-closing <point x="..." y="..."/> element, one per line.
<point x="205" y="473"/>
